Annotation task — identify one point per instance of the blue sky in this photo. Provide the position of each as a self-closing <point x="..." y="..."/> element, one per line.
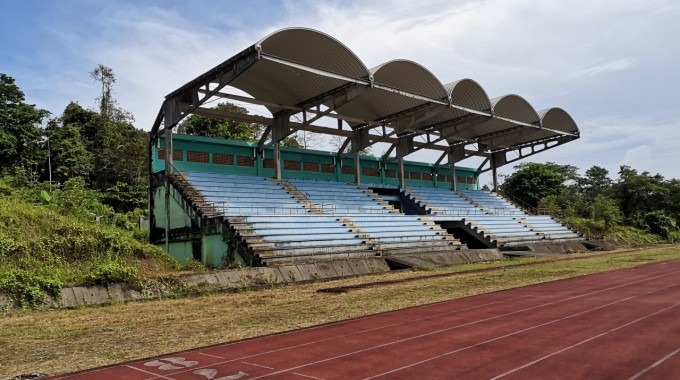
<point x="613" y="65"/>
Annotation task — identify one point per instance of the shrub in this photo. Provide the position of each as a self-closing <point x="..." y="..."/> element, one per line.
<point x="28" y="290"/>
<point x="110" y="273"/>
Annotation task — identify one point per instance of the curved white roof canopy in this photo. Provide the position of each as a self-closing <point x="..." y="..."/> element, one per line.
<point x="298" y="69"/>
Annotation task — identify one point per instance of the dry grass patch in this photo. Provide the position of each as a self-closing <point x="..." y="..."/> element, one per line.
<point x="61" y="341"/>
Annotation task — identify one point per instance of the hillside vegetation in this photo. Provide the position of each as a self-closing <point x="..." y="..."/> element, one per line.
<point x="44" y="247"/>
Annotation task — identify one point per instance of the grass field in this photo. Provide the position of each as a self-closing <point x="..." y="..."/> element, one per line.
<point x="59" y="341"/>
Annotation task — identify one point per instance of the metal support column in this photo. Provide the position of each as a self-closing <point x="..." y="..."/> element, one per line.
<point x="168" y="174"/>
<point x="280" y="130"/>
<point x="494" y="174"/>
<point x="357" y="161"/>
<point x="452" y="170"/>
<point x="402" y="181"/>
<point x="277" y="159"/>
<point x="172" y="117"/>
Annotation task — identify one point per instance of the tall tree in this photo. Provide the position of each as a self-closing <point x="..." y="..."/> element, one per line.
<point x="198" y="125"/>
<point x="104" y="76"/>
<point x="20" y="132"/>
<point x="533" y="181"/>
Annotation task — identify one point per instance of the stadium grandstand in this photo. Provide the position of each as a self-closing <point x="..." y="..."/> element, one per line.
<point x="223" y="202"/>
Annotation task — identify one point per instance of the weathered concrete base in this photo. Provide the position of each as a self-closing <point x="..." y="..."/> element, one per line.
<point x="78" y="296"/>
<point x="432" y="260"/>
<point x="559" y="248"/>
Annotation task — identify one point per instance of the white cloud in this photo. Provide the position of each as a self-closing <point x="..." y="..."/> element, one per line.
<point x="590" y="58"/>
<point x="604" y="68"/>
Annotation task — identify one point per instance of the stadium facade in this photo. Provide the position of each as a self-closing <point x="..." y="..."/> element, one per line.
<point x="222" y="202"/>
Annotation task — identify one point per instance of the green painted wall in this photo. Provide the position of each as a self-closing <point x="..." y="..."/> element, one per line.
<point x="214" y="250"/>
<point x="223" y="156"/>
<point x="180" y="251"/>
<point x="301" y="163"/>
<point x="178" y="217"/>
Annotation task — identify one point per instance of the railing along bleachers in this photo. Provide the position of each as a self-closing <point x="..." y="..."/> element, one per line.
<point x="442" y="201"/>
<point x="492" y="216"/>
<point x="298" y="220"/>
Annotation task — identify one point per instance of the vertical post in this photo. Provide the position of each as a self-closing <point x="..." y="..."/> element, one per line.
<point x="172" y="117"/>
<point x="168" y="174"/>
<point x="357" y="161"/>
<point x="280" y="130"/>
<point x="277" y="159"/>
<point x="494" y="174"/>
<point x="402" y="181"/>
<point x="454" y="178"/>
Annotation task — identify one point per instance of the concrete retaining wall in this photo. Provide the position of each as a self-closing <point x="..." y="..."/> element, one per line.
<point x="78" y="296"/>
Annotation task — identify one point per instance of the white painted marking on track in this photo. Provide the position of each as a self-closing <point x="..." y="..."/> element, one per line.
<point x="583" y="342"/>
<point x="656" y="364"/>
<point x="481" y="321"/>
<point x="155" y="375"/>
<point x="212" y="356"/>
<point x="258" y="365"/>
<point x="307" y="376"/>
<point x="358" y="332"/>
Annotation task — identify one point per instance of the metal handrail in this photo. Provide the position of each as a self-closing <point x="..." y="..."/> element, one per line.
<point x="307" y="200"/>
<point x="529" y="209"/>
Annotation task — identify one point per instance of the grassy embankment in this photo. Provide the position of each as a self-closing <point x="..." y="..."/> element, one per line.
<point x="42" y="250"/>
<point x="60" y="341"/>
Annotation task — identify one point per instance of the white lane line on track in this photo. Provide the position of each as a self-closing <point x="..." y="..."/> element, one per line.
<point x="155" y="375"/>
<point x="307" y="376"/>
<point x="340" y="323"/>
<point x="485" y="320"/>
<point x="212" y="356"/>
<point x="258" y="365"/>
<point x="356" y="333"/>
<point x="656" y="364"/>
<point x="583" y="342"/>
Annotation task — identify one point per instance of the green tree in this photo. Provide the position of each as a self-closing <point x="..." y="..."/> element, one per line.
<point x="205" y="126"/>
<point x="606" y="210"/>
<point x="68" y="153"/>
<point x="639" y="193"/>
<point x="20" y="132"/>
<point x="533" y="181"/>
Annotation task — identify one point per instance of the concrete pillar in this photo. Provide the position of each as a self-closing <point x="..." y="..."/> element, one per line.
<point x="402" y="180"/>
<point x="168" y="174"/>
<point x="277" y="159"/>
<point x="494" y="174"/>
<point x="280" y="130"/>
<point x="357" y="163"/>
<point x="454" y="179"/>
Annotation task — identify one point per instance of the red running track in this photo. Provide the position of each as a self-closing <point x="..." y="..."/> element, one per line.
<point x="622" y="324"/>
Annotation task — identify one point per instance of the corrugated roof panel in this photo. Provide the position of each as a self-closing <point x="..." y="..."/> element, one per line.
<point x="409" y="76"/>
<point x="313" y="48"/>
<point x="275" y="83"/>
<point x="514" y="107"/>
<point x="559" y="119"/>
<point x="469" y="94"/>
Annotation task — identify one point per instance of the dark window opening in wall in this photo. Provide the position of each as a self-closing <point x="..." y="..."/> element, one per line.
<point x="327" y="168"/>
<point x="268" y="163"/>
<point x="370" y="172"/>
<point x="347" y="170"/>
<point x="291" y="165"/>
<point x="223" y="159"/>
<point x="200" y="157"/>
<point x="310" y="167"/>
<point x="176" y="155"/>
<point x="245" y="161"/>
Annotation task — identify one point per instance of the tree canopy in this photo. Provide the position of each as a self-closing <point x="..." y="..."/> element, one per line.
<point x="641" y="200"/>
<point x="20" y="132"/>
